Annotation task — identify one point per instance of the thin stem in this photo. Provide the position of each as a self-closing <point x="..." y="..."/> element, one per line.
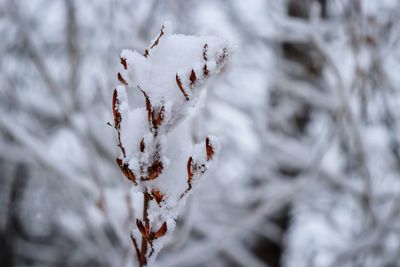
<point x="143" y="252"/>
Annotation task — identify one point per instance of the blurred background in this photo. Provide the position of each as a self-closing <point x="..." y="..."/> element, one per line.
<point x="307" y="112"/>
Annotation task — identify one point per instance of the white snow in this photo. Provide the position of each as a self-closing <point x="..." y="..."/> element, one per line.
<point x="156" y="136"/>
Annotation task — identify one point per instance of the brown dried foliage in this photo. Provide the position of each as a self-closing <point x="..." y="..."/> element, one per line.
<point x="157" y="195"/>
<point x="141" y="145"/>
<point x="121" y="80"/>
<point x="115" y="109"/>
<point x="160" y="117"/>
<point x="155" y="170"/>
<point x="209" y="149"/>
<point x="192" y="77"/>
<point x="123" y="62"/>
<point x="126" y="171"/>
<point x="179" y="83"/>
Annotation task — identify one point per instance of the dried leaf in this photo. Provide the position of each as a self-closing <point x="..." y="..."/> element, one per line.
<point x="209" y="149"/>
<point x="155" y="170"/>
<point x="149" y="108"/>
<point x="123" y="62"/>
<point x="121" y="80"/>
<point x="205" y="71"/>
<point x="158" y="196"/>
<point x="162" y="231"/>
<point x="160" y="117"/>
<point x="126" y="171"/>
<point x="190" y="169"/>
<point x="192" y="77"/>
<point x="142" y="146"/>
<point x="115" y="109"/>
<point x="179" y="83"/>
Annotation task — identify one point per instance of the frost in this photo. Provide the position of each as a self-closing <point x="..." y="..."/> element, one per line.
<point x="157" y="153"/>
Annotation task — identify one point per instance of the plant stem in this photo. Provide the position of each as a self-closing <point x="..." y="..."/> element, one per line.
<point x="143" y="257"/>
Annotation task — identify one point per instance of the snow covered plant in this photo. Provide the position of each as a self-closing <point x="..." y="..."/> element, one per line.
<point x="152" y="108"/>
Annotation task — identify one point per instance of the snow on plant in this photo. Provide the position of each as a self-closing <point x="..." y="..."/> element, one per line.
<point x="157" y="153"/>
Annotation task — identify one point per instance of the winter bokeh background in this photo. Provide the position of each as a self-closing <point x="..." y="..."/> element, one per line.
<point x="306" y="112"/>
